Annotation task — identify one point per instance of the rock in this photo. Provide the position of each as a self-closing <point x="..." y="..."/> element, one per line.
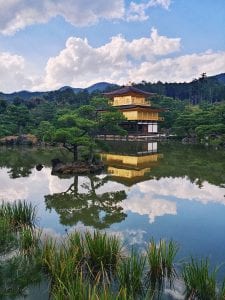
<point x="59" y="167"/>
<point x="24" y="139"/>
<point x="39" y="167"/>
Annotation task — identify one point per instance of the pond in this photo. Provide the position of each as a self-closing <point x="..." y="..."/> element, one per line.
<point x="160" y="190"/>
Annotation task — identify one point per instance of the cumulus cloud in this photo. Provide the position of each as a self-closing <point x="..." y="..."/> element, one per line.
<point x="119" y="61"/>
<point x="17" y="14"/>
<point x="184" y="189"/>
<point x="147" y="205"/>
<point x="180" y="68"/>
<point x="138" y="11"/>
<point x="13" y="74"/>
<point x="80" y="64"/>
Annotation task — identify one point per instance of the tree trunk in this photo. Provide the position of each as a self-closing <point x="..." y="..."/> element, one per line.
<point x="75" y="153"/>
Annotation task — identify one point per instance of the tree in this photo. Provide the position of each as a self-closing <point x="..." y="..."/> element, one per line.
<point x="74" y="131"/>
<point x="88" y="206"/>
<point x="45" y="131"/>
<point x="80" y="128"/>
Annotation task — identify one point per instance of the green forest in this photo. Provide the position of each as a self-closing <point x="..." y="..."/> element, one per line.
<point x="194" y="110"/>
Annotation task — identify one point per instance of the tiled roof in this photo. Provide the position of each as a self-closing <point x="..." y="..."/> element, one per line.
<point x="126" y="90"/>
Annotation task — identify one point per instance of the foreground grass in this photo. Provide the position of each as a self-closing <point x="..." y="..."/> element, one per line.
<point x="92" y="266"/>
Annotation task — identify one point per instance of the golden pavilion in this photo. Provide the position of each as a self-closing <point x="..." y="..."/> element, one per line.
<point x="141" y="117"/>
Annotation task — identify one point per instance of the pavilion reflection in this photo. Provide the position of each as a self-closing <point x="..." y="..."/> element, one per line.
<point x="131" y="162"/>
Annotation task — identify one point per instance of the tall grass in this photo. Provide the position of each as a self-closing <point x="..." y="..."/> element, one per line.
<point x="161" y="262"/>
<point x="29" y="240"/>
<point x="199" y="282"/>
<point x="130" y="273"/>
<point x="103" y="252"/>
<point x="19" y="213"/>
<point x="7" y="236"/>
<point x="81" y="289"/>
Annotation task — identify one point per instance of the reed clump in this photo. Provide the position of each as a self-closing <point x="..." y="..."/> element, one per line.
<point x="7" y="236"/>
<point x="18" y="213"/>
<point x="160" y="260"/>
<point x="92" y="266"/>
<point x="130" y="274"/>
<point x="103" y="252"/>
<point x="199" y="282"/>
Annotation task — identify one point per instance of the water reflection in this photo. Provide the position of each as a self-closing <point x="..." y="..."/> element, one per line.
<point x="129" y="162"/>
<point x="88" y="206"/>
<point x="160" y="190"/>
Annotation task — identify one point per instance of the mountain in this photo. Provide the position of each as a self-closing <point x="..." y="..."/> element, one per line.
<point x="174" y="90"/>
<point x="220" y="78"/>
<point x="100" y="86"/>
<point x="26" y="95"/>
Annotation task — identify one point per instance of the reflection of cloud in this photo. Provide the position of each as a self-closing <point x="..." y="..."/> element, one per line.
<point x="10" y="192"/>
<point x="146" y="205"/>
<point x="183" y="188"/>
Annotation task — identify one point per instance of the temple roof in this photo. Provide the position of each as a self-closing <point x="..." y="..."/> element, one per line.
<point x="127" y="90"/>
<point x="136" y="107"/>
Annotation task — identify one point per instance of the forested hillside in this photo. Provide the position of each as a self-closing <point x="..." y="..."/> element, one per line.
<point x="193" y="110"/>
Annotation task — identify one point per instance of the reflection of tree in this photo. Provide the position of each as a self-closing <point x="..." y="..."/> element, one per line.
<point x="21" y="160"/>
<point x="89" y="207"/>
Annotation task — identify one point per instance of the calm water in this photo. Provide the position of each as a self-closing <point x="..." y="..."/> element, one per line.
<point x="148" y="190"/>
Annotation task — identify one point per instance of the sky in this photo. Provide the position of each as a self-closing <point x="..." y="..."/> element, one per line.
<point x="47" y="44"/>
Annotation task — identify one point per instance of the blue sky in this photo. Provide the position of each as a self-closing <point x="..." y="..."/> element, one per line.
<point x="46" y="44"/>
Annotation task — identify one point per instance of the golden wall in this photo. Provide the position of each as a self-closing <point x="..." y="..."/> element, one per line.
<point x="129" y="100"/>
<point x="127" y="173"/>
<point x="130" y="160"/>
<point x="141" y="115"/>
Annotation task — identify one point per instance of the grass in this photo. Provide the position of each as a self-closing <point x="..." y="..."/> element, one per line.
<point x="130" y="273"/>
<point x="199" y="282"/>
<point x="18" y="213"/>
<point x="160" y="260"/>
<point x="103" y="252"/>
<point x="29" y="240"/>
<point x="90" y="265"/>
<point x="7" y="236"/>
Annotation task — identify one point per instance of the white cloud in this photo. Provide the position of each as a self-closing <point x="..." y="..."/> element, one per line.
<point x="147" y="205"/>
<point x="181" y="68"/>
<point x="119" y="61"/>
<point x="17" y="14"/>
<point x="183" y="189"/>
<point x="80" y="64"/>
<point x="137" y="11"/>
<point x="13" y="74"/>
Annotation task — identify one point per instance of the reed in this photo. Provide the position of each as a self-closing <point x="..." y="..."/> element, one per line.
<point x="102" y="252"/>
<point x="29" y="240"/>
<point x="7" y="236"/>
<point x="130" y="273"/>
<point x="199" y="282"/>
<point x="161" y="263"/>
<point x="19" y="213"/>
<point x="81" y="289"/>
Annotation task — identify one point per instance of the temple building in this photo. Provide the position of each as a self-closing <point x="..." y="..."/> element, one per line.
<point x="141" y="117"/>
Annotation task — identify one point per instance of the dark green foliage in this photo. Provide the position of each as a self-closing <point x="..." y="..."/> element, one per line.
<point x="17" y="273"/>
<point x="195" y="92"/>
